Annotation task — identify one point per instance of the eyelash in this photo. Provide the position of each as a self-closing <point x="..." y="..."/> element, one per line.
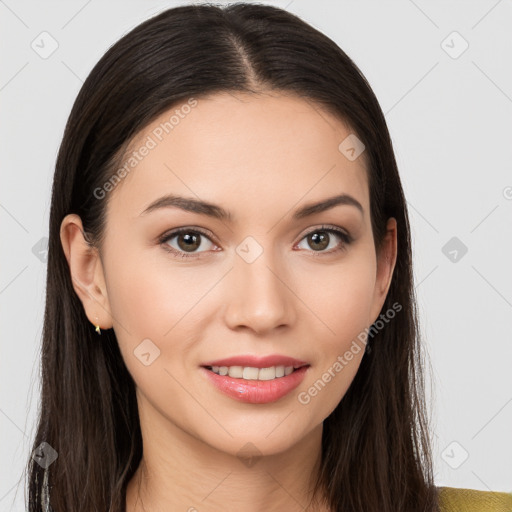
<point x="345" y="237"/>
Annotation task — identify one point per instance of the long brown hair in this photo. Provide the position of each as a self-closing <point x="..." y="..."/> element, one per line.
<point x="376" y="454"/>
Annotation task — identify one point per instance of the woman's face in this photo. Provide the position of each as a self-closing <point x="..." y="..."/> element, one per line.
<point x="250" y="283"/>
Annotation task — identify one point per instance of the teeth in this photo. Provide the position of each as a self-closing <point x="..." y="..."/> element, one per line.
<point x="251" y="373"/>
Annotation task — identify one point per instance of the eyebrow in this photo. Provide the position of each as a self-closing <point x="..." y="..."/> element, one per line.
<point x="217" y="212"/>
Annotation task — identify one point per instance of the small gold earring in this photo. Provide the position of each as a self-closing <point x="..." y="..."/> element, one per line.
<point x="98" y="330"/>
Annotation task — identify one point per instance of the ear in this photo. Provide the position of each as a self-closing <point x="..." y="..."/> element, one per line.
<point x="386" y="260"/>
<point x="86" y="271"/>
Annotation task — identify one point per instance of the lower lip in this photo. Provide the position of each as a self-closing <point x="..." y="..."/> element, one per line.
<point x="257" y="391"/>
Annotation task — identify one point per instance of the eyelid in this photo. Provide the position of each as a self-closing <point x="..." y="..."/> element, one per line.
<point x="329" y="227"/>
<point x="185" y="229"/>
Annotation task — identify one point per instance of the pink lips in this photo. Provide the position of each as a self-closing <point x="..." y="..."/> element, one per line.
<point x="256" y="391"/>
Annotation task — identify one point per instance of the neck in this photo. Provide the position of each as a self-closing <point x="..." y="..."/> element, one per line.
<point x="180" y="472"/>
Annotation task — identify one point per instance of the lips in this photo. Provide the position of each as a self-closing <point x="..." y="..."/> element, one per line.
<point x="257" y="361"/>
<point x="256" y="391"/>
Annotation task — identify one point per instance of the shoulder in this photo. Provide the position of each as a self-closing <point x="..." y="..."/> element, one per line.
<point x="452" y="499"/>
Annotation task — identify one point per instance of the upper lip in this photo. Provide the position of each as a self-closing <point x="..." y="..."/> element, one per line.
<point x="257" y="361"/>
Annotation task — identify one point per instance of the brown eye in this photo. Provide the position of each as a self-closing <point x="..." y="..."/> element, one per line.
<point x="318" y="240"/>
<point x="188" y="242"/>
<point x="325" y="238"/>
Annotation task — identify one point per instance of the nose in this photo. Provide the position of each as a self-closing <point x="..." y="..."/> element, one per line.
<point x="260" y="298"/>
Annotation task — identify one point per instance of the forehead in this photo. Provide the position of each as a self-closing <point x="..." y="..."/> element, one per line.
<point x="248" y="151"/>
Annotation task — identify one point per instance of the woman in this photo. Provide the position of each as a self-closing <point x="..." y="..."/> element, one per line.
<point x="230" y="320"/>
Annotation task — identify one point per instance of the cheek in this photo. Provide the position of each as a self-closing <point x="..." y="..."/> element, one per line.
<point x="341" y="297"/>
<point x="148" y="294"/>
<point x="152" y="299"/>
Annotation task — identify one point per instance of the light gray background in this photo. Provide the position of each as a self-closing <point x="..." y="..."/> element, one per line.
<point x="450" y="120"/>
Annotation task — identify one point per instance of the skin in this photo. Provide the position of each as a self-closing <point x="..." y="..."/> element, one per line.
<point x="261" y="157"/>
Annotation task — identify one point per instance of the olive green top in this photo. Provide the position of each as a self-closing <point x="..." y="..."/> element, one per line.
<point x="452" y="499"/>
